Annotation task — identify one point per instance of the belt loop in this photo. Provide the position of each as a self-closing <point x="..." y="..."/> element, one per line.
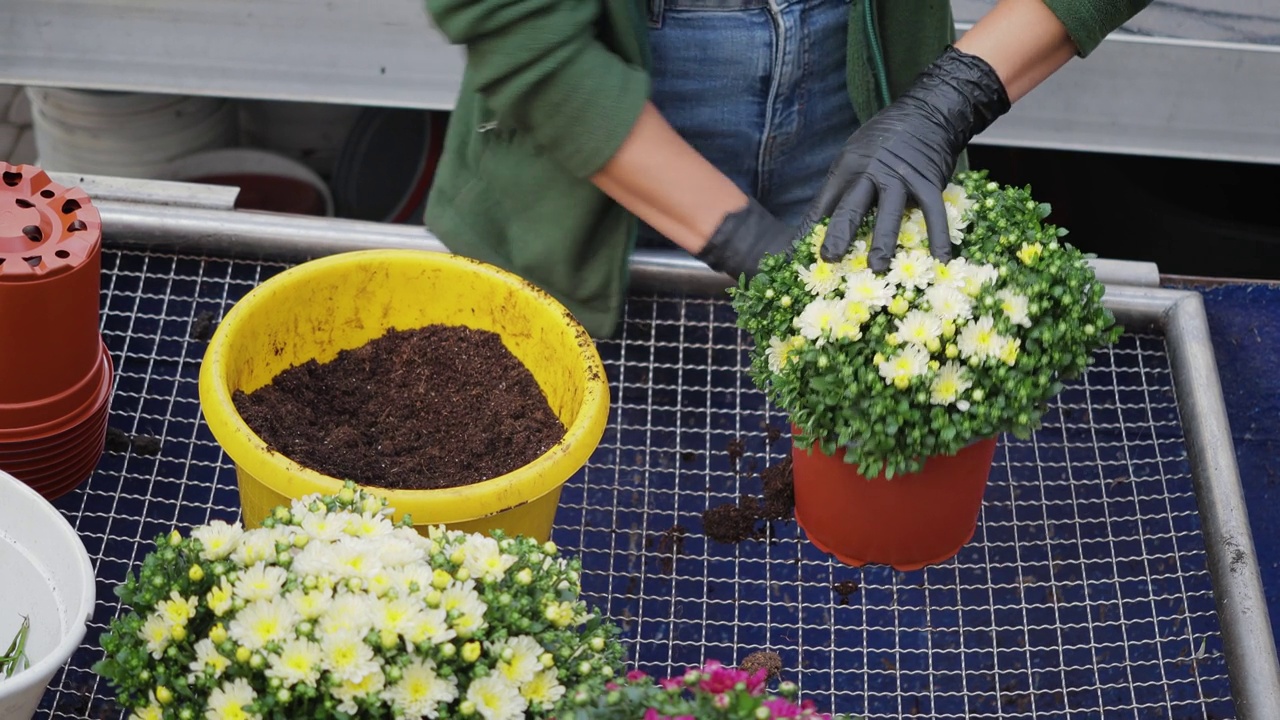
<point x="655" y="13"/>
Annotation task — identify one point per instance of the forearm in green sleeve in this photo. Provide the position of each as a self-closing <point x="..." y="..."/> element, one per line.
<point x="542" y="71"/>
<point x="1088" y="22"/>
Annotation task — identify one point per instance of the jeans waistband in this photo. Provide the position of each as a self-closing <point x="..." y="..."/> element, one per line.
<point x="723" y="5"/>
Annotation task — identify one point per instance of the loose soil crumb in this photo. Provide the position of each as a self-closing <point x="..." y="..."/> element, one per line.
<point x="733" y="523"/>
<point x="763" y="660"/>
<point x="437" y="407"/>
<point x="145" y="444"/>
<point x="748" y="519"/>
<point x="844" y="590"/>
<point x="202" y="326"/>
<point x="671" y="546"/>
<point x="773" y="433"/>
<point x="779" y="491"/>
<point x="735" y="449"/>
<point x="117" y="440"/>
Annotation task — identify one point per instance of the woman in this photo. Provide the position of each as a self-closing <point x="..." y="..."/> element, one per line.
<point x="724" y="125"/>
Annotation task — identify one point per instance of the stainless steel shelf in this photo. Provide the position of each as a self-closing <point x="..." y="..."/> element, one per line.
<point x="1180" y="81"/>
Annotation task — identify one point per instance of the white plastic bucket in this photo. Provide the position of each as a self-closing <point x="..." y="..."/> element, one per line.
<point x="244" y="162"/>
<point x="48" y="578"/>
<point x="125" y="134"/>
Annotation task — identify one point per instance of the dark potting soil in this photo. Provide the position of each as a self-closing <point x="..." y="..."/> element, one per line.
<point x="437" y="407"/>
<point x="779" y="491"/>
<point x="762" y="660"/>
<point x="748" y="519"/>
<point x="202" y="326"/>
<point x="733" y="522"/>
<point x="118" y="441"/>
<point x="671" y="546"/>
<point x="845" y="589"/>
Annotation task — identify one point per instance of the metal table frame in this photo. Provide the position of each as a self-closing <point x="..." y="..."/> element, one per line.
<point x="196" y="219"/>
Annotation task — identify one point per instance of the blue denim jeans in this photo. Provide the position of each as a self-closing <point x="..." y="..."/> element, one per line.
<point x="757" y="87"/>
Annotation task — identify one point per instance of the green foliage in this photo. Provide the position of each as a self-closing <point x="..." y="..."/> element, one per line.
<point x="833" y="388"/>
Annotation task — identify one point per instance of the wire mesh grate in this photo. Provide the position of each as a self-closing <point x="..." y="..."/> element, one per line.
<point x="1084" y="593"/>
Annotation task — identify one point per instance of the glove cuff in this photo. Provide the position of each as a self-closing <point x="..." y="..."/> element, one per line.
<point x="742" y="239"/>
<point x="975" y="86"/>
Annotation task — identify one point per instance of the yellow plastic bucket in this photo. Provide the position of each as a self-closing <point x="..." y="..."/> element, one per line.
<point x="319" y="308"/>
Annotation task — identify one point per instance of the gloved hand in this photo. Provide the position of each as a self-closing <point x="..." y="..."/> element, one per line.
<point x="908" y="152"/>
<point x="743" y="238"/>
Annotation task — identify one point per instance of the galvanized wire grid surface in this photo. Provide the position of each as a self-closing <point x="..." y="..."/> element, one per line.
<point x="1084" y="593"/>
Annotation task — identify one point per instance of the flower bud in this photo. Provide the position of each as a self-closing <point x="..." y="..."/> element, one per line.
<point x="283" y="696"/>
<point x="175" y="538"/>
<point x="525" y="577"/>
<point x="763" y="713"/>
<point x="549" y="548"/>
<point x="258" y="661"/>
<point x="584" y="668"/>
<point x="195" y="573"/>
<point x="179" y="633"/>
<point x="346" y="495"/>
<point x="388" y="639"/>
<point x="471" y="651"/>
<point x="458" y="556"/>
<point x="785" y="301"/>
<point x="243" y="654"/>
<point x="448" y="650"/>
<point x="433" y="598"/>
<point x="462" y="575"/>
<point x="164" y="696"/>
<point x="217" y="634"/>
<point x="597" y="644"/>
<point x="467" y="708"/>
<point x="547" y="660"/>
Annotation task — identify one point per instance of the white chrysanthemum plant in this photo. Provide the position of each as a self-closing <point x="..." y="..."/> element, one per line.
<point x="928" y="357"/>
<point x="332" y="611"/>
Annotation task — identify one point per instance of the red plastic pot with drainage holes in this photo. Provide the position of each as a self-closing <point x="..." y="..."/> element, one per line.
<point x="50" y="266"/>
<point x="55" y="371"/>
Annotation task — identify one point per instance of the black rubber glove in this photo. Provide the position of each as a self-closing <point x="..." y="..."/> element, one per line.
<point x="908" y="152"/>
<point x="743" y="239"/>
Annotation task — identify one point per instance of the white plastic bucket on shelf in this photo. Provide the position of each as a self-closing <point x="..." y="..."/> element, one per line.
<point x="49" y="579"/>
<point x="268" y="180"/>
<point x="125" y="134"/>
<point x="312" y="133"/>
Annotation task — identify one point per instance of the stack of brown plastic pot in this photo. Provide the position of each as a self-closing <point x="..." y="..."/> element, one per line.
<point x="55" y="371"/>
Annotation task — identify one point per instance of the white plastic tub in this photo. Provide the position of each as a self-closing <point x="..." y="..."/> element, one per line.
<point x="46" y="576"/>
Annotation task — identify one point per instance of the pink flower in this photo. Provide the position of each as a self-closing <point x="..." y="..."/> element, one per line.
<point x="721" y="701"/>
<point x="781" y="708"/>
<point x="671" y="684"/>
<point x="721" y="679"/>
<point x="636" y="676"/>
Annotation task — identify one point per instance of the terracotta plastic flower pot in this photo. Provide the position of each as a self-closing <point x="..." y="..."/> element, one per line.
<point x="908" y="522"/>
<point x="50" y="263"/>
<point x="56" y="432"/>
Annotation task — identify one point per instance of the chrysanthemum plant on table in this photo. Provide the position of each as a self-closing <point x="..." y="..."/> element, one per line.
<point x="712" y="692"/>
<point x="927" y="358"/>
<point x="332" y="611"/>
